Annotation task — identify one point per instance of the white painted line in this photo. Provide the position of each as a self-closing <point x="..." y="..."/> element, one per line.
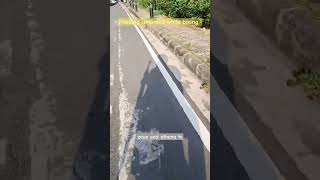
<point x="110" y="109"/>
<point x="249" y="151"/>
<point x="3" y="151"/>
<point x="192" y="116"/>
<point x="111" y="79"/>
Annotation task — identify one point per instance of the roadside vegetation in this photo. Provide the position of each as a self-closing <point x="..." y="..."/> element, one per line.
<point x="310" y="81"/>
<point x="183" y="9"/>
<point x="205" y="87"/>
<point x="144" y="3"/>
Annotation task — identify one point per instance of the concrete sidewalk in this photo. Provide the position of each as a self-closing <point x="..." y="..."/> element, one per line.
<point x="253" y="72"/>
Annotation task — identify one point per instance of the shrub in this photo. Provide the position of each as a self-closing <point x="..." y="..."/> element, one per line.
<point x="164" y="5"/>
<point x="144" y="3"/>
<point x="201" y="9"/>
<point x="180" y="9"/>
<point x="186" y="9"/>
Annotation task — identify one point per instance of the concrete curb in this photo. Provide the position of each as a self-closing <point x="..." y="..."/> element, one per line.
<point x="194" y="63"/>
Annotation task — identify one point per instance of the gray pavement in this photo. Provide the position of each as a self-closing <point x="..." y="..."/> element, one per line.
<point x="142" y="100"/>
<point x="53" y="82"/>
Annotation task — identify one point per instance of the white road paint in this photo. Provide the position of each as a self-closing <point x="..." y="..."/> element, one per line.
<point x="110" y="109"/>
<point x="249" y="151"/>
<point x="114" y="39"/>
<point x="192" y="116"/>
<point x="111" y="79"/>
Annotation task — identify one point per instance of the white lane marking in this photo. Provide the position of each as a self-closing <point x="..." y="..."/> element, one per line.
<point x="249" y="151"/>
<point x="111" y="79"/>
<point x="110" y="109"/>
<point x="192" y="116"/>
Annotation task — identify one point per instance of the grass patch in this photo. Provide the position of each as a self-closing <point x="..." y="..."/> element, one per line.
<point x="142" y="7"/>
<point x="188" y="46"/>
<point x="205" y="87"/>
<point x="143" y="4"/>
<point x="310" y="81"/>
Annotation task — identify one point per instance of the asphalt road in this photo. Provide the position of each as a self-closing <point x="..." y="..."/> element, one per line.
<point x="62" y="100"/>
<point x="54" y="76"/>
<point x="142" y="101"/>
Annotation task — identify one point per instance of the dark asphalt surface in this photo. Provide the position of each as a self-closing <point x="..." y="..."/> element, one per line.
<point x="53" y="100"/>
<point x="56" y="126"/>
<point x="156" y="108"/>
<point x="226" y="165"/>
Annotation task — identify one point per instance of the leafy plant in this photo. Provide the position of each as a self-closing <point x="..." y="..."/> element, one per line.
<point x="186" y="9"/>
<point x="144" y="3"/>
<point x="310" y="81"/>
<point x="205" y="87"/>
<point x="201" y="9"/>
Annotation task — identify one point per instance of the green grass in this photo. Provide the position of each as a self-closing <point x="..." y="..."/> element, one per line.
<point x="310" y="81"/>
<point x="143" y="3"/>
<point x="188" y="46"/>
<point x="142" y="7"/>
<point x="205" y="87"/>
